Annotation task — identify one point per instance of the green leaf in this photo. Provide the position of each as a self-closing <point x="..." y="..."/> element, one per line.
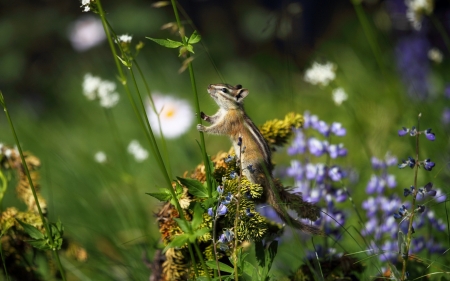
<point x="198" y="233"/>
<point x="40" y="244"/>
<point x="166" y="42"/>
<point x="127" y="64"/>
<point x="223" y="267"/>
<point x="177" y="242"/>
<point x="260" y="252"/>
<point x="31" y="230"/>
<point x="190" y="48"/>
<point x="271" y="253"/>
<point x="178" y="188"/>
<point x="249" y="269"/>
<point x="198" y="215"/>
<point x="163" y="197"/>
<point x="209" y="203"/>
<point x="184" y="225"/>
<point x="195" y="187"/>
<point x="195" y="38"/>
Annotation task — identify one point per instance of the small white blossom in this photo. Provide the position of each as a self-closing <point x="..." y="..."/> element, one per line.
<point x="321" y="74"/>
<point x="135" y="149"/>
<point x="94" y="87"/>
<point x="86" y="32"/>
<point x="125" y="38"/>
<point x="416" y="9"/>
<point x="176" y="115"/>
<point x="90" y="86"/>
<point x="100" y="157"/>
<point x="339" y="96"/>
<point x="85" y="5"/>
<point x="435" y="55"/>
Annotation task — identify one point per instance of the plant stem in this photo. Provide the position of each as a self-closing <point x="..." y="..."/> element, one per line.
<point x="3" y="261"/>
<point x="197" y="103"/>
<point x="148" y="131"/>
<point x="413" y="204"/>
<point x="163" y="139"/>
<point x="191" y="253"/>
<point x="440" y="28"/>
<point x="33" y="189"/>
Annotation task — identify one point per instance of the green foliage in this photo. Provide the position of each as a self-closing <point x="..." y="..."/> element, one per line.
<point x="40" y="241"/>
<point x="186" y="46"/>
<point x="195" y="187"/>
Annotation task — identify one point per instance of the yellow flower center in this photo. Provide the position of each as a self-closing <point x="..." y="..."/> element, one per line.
<point x="170" y="112"/>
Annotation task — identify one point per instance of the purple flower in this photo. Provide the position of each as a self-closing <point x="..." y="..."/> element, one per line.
<point x="296" y="170"/>
<point x="248" y="213"/>
<point x="227" y="199"/>
<point x="413" y="64"/>
<point x="376" y="184"/>
<point x="377" y="163"/>
<point x="403" y="132"/>
<point x="390" y="159"/>
<point x="323" y="128"/>
<point x="299" y="144"/>
<point x="210" y="212"/>
<point x="316" y="147"/>
<point x="429" y="135"/>
<point x="220" y="189"/>
<point x="233" y="175"/>
<point x="315" y="172"/>
<point x="337" y="150"/>
<point x="311" y="121"/>
<point x="410" y="162"/>
<point x="337" y="129"/>
<point x="222" y="238"/>
<point x="428" y="165"/>
<point x="413" y="131"/>
<point x="446" y="116"/>
<point x="335" y="173"/>
<point x="447" y="91"/>
<point x="229" y="159"/>
<point x="222" y="210"/>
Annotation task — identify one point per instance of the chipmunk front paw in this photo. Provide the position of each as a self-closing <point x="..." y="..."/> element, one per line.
<point x="200" y="128"/>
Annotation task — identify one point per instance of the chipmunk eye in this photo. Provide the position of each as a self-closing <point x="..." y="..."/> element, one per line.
<point x="225" y="90"/>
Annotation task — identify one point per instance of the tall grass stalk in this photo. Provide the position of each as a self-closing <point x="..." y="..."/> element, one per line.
<point x="149" y="94"/>
<point x="33" y="189"/>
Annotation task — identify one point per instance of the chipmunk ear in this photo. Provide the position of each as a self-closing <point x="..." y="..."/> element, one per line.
<point x="241" y="95"/>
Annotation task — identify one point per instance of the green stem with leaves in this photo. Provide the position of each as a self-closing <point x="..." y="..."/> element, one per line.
<point x="32" y="187"/>
<point x="413" y="205"/>
<point x="197" y="102"/>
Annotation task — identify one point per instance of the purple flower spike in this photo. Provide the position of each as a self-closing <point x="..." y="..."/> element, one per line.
<point x="403" y="132"/>
<point x="406" y="192"/>
<point x="413" y="131"/>
<point x="428" y="165"/>
<point x="429" y="135"/>
<point x="337" y="129"/>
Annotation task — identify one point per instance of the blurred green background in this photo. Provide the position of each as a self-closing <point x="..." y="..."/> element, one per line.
<point x="263" y="45"/>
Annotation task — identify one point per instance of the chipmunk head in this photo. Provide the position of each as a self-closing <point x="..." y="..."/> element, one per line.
<point x="227" y="96"/>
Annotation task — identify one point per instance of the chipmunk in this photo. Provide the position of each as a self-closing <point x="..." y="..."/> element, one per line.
<point x="254" y="152"/>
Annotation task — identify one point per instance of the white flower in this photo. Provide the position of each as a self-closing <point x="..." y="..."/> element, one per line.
<point x="125" y="38"/>
<point x="321" y="74"/>
<point x="86" y="32"/>
<point x="339" y="95"/>
<point x="176" y="115"/>
<point x="90" y="86"/>
<point x="416" y="9"/>
<point x="100" y="157"/>
<point x="85" y="5"/>
<point x="435" y="55"/>
<point x="139" y="153"/>
<point x="94" y="87"/>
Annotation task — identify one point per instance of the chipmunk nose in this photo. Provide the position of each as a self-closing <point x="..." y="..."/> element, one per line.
<point x="210" y="88"/>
